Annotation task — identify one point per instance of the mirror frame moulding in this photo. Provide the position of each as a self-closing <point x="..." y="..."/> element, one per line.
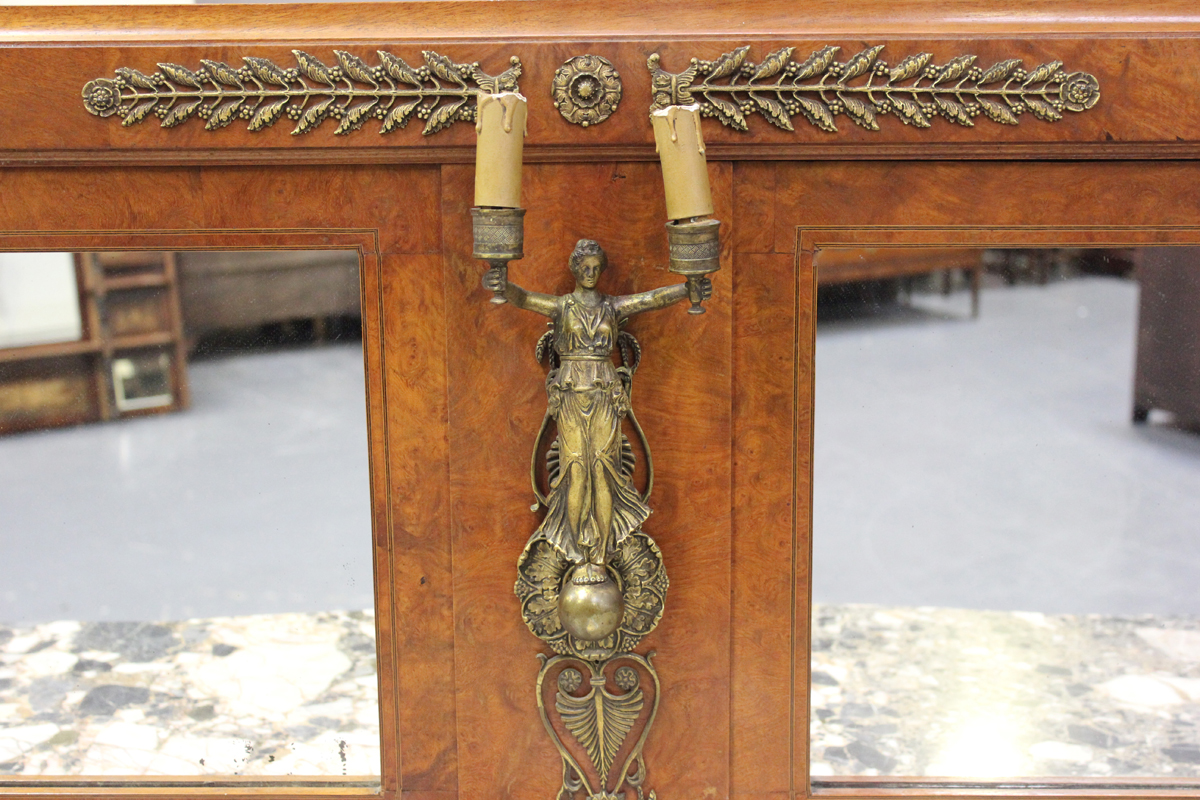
<point x="810" y="240"/>
<point x="365" y="243"/>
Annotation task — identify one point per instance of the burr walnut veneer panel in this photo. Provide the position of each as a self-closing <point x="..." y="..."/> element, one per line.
<point x="455" y="396"/>
<point x="497" y="398"/>
<point x="1142" y="55"/>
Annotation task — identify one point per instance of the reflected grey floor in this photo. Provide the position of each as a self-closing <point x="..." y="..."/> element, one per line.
<point x="991" y="463"/>
<point x="255" y="500"/>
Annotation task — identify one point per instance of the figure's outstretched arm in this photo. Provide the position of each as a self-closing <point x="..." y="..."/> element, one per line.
<point x="544" y="304"/>
<point x="655" y="299"/>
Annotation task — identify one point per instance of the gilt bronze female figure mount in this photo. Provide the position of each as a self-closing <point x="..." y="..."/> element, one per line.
<point x="590" y="581"/>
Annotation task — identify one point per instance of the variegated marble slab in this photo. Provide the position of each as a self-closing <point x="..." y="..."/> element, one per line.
<point x="896" y="691"/>
<point x="281" y="694"/>
<point x="984" y="694"/>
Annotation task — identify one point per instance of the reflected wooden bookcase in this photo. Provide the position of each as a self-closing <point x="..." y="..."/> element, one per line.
<point x="136" y="297"/>
<point x="1168" y="353"/>
<point x="131" y="358"/>
<point x="60" y="383"/>
<point x="1105" y="152"/>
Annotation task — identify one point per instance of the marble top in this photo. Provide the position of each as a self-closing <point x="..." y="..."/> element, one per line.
<point x="988" y="694"/>
<point x="280" y="694"/>
<point x="895" y="692"/>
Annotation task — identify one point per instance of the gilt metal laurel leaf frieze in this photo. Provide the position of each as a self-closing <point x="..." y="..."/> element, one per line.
<point x="438" y="91"/>
<point x="731" y="88"/>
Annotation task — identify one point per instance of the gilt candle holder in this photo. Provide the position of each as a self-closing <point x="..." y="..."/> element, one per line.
<point x="499" y="235"/>
<point x="695" y="251"/>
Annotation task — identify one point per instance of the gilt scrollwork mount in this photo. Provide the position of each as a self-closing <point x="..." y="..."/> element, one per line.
<point x="603" y="712"/>
<point x="731" y="88"/>
<point x="261" y="92"/>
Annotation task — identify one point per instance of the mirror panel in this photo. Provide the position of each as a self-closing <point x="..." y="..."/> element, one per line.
<point x="188" y="551"/>
<point x="1005" y="509"/>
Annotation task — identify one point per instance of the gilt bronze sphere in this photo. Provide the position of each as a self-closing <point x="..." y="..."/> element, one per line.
<point x="591" y="611"/>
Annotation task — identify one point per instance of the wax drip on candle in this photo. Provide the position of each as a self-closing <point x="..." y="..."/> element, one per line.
<point x="510" y="112"/>
<point x="484" y="100"/>
<point x="673" y="123"/>
<point x="685" y="174"/>
<point x="508" y="103"/>
<point x="508" y="116"/>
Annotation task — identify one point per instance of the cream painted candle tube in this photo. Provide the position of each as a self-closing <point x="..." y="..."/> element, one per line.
<point x="685" y="171"/>
<point x="500" y="125"/>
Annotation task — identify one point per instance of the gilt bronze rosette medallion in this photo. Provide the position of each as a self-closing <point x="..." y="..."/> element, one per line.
<point x="586" y="90"/>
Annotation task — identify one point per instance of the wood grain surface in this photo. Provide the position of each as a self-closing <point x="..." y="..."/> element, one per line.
<point x="454" y="394"/>
<point x="1140" y="57"/>
<point x="726" y="398"/>
<point x="681" y="395"/>
<point x="763" y="525"/>
<point x="550" y="20"/>
<point x="998" y="196"/>
<point x="414" y="331"/>
<point x="244" y="209"/>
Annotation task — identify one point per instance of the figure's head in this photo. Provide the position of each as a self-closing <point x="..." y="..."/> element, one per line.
<point x="587" y="262"/>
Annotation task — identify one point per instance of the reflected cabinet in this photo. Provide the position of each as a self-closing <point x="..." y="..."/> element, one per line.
<point x="918" y="473"/>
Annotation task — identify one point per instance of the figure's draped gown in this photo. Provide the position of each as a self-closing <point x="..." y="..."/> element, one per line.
<point x="588" y="402"/>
